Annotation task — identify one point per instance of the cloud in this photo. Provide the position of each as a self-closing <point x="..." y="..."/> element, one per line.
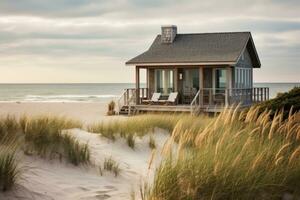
<point x="61" y="30"/>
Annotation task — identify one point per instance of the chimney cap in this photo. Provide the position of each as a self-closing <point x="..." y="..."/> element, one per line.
<point x="169" y="26"/>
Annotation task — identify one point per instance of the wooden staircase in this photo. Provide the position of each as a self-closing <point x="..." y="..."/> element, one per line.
<point x="127" y="110"/>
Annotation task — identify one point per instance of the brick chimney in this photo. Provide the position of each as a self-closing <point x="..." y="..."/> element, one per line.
<point x="168" y="34"/>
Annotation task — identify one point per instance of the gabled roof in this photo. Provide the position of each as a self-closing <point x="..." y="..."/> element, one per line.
<point x="200" y="48"/>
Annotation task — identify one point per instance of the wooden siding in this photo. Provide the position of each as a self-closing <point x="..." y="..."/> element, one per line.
<point x="245" y="60"/>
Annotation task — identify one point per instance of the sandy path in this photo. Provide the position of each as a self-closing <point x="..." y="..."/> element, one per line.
<point x="60" y="181"/>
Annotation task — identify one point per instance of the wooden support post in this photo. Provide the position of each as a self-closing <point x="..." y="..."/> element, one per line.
<point x="175" y="80"/>
<point x="201" y="85"/>
<point x="228" y="85"/>
<point x="147" y="83"/>
<point x="137" y="84"/>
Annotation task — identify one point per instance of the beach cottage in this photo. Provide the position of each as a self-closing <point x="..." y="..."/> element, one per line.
<point x="194" y="72"/>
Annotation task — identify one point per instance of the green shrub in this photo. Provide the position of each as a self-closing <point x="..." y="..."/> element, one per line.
<point x="285" y="101"/>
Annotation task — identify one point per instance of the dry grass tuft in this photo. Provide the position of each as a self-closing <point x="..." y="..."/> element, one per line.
<point x="112" y="166"/>
<point x="139" y="126"/>
<point x="235" y="155"/>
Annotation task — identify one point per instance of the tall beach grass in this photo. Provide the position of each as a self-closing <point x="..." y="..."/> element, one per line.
<point x="238" y="155"/>
<point x="47" y="137"/>
<point x="139" y="126"/>
<point x="9" y="163"/>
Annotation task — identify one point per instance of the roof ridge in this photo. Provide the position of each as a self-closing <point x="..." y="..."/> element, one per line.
<point x="229" y="32"/>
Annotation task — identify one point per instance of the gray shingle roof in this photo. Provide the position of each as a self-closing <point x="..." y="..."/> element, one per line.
<point x="198" y="48"/>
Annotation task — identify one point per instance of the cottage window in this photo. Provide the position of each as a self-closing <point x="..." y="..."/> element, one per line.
<point x="164" y="81"/>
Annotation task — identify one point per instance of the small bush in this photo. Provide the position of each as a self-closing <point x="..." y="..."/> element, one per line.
<point x="111" y="108"/>
<point x="112" y="166"/>
<point x="283" y="101"/>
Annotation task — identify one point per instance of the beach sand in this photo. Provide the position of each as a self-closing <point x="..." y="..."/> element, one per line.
<point x="52" y="179"/>
<point x="86" y="112"/>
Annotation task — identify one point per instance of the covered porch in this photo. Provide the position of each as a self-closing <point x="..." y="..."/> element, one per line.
<point x="197" y="88"/>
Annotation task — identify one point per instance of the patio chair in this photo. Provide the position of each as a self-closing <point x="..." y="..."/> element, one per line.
<point x="171" y="99"/>
<point x="155" y="98"/>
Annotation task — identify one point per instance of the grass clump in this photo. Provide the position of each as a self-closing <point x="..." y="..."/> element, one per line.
<point x="112" y="166"/>
<point x="9" y="165"/>
<point x="152" y="143"/>
<point x="130" y="138"/>
<point x="139" y="126"/>
<point x="9" y="126"/>
<point x="9" y="169"/>
<point x="238" y="155"/>
<point x="76" y="152"/>
<point x="46" y="137"/>
<point x="111" y="108"/>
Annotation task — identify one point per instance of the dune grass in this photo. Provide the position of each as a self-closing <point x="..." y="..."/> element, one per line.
<point x="152" y="143"/>
<point x="111" y="165"/>
<point x="9" y="164"/>
<point x="235" y="156"/>
<point x="139" y="126"/>
<point x="46" y="137"/>
<point x="9" y="168"/>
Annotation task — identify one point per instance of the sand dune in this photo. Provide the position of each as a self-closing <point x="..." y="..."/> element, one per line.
<point x="52" y="179"/>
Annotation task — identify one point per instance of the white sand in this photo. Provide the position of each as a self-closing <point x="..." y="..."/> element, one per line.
<point x="52" y="179"/>
<point x="86" y="112"/>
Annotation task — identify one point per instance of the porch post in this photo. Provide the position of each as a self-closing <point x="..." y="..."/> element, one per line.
<point x="175" y="79"/>
<point x="228" y="85"/>
<point x="201" y="85"/>
<point x="137" y="84"/>
<point x="147" y="82"/>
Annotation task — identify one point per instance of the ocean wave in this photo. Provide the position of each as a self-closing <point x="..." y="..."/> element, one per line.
<point x="68" y="98"/>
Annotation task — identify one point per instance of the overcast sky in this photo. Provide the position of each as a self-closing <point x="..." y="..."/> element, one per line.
<point x="90" y="40"/>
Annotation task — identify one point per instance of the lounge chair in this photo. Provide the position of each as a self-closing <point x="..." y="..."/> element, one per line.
<point x="171" y="99"/>
<point x="155" y="98"/>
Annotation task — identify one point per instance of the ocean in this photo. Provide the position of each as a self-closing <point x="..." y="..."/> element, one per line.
<point x="89" y="92"/>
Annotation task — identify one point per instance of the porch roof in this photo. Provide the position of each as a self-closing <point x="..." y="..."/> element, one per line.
<point x="206" y="48"/>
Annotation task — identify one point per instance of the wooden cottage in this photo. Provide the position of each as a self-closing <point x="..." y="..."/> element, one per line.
<point x="195" y="72"/>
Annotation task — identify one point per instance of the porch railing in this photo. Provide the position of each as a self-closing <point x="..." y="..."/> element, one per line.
<point x="204" y="98"/>
<point x="128" y="97"/>
<point x="215" y="97"/>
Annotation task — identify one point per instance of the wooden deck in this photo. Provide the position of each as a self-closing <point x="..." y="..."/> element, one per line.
<point x="206" y="100"/>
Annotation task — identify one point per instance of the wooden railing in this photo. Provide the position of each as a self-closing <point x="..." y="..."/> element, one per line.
<point x="214" y="97"/>
<point x="196" y="102"/>
<point x="128" y="97"/>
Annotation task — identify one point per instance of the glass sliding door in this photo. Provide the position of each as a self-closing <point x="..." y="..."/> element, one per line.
<point x="164" y="82"/>
<point x="220" y="80"/>
<point x="190" y="85"/>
